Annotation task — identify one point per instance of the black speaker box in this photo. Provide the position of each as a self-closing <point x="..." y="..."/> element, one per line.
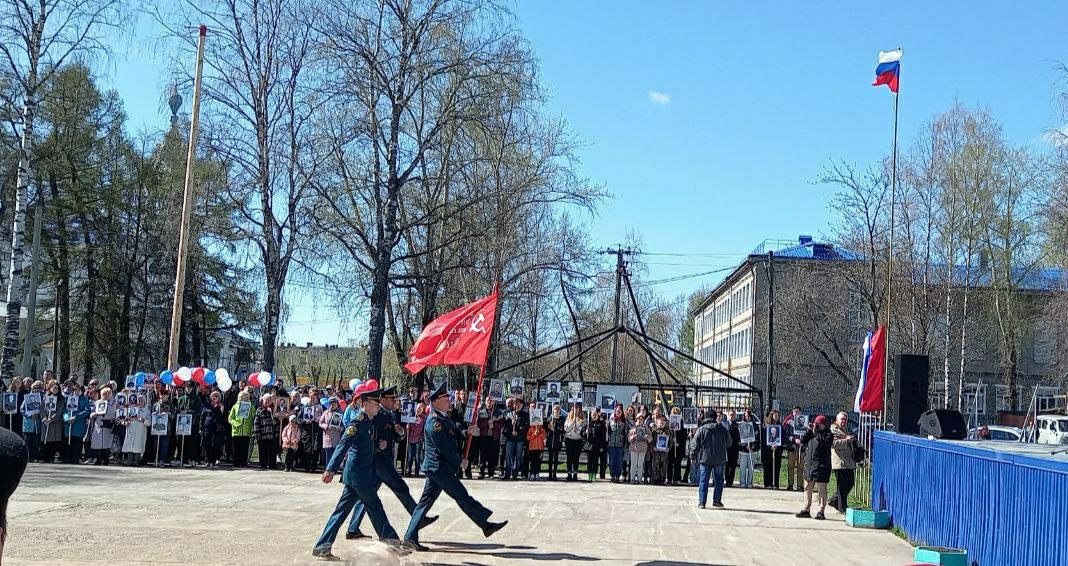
<point x="943" y="423"/>
<point x="910" y="395"/>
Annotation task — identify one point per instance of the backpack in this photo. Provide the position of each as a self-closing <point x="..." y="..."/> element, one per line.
<point x="859" y="453"/>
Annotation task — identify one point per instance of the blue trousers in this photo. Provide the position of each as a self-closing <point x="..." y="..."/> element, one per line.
<point x="366" y="496"/>
<point x="437" y="482"/>
<point x="702" y="484"/>
<point x="388" y="475"/>
<point x="615" y="460"/>
<point x="513" y="457"/>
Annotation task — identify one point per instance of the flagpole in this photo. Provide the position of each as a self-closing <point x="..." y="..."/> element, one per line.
<point x="482" y="374"/>
<point x="890" y="261"/>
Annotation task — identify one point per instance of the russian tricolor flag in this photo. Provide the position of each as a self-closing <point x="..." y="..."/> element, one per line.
<point x="870" y="391"/>
<point x="889" y="69"/>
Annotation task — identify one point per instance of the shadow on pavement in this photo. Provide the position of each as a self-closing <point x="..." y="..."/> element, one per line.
<point x="764" y="511"/>
<point x="673" y="563"/>
<point x="507" y="552"/>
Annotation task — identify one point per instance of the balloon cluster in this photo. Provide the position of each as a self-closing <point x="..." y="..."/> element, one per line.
<point x="261" y="379"/>
<point x="203" y="376"/>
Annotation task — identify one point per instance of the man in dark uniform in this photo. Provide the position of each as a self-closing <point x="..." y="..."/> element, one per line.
<point x="386" y="427"/>
<point x="441" y="464"/>
<point x="356" y="448"/>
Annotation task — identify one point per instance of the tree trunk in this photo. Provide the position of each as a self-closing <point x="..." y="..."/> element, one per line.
<point x="15" y="291"/>
<point x="90" y="300"/>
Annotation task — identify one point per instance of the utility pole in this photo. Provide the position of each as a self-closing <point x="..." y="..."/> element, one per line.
<point x="620" y="270"/>
<point x="31" y="300"/>
<point x="769" y="384"/>
<point x="187" y="206"/>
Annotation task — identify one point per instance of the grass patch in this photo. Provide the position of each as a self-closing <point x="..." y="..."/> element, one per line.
<point x="900" y="533"/>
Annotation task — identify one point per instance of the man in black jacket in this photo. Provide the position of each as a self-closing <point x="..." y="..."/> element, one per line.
<point x="516" y="424"/>
<point x="710" y="450"/>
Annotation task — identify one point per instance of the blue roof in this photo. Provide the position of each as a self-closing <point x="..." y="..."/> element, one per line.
<point x="807" y="249"/>
<point x="1035" y="279"/>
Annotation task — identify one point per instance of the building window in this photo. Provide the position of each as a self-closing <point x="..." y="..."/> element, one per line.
<point x="974" y="399"/>
<point x="936" y="397"/>
<point x="1045" y="343"/>
<point x="1001" y="398"/>
<point x="1046" y="399"/>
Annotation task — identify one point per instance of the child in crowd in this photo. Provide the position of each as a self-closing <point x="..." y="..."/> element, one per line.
<point x="133" y="445"/>
<point x="291" y="442"/>
<point x="535" y="446"/>
<point x="413" y="458"/>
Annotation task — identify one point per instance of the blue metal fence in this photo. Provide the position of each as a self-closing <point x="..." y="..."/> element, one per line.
<point x="1004" y="508"/>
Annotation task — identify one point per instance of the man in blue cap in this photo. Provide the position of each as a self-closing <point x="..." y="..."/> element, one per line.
<point x="387" y="429"/>
<point x="442" y="463"/>
<point x="356" y="449"/>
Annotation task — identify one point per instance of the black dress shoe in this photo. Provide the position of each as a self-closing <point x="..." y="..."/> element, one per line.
<point x="427" y="521"/>
<point x="355" y="536"/>
<point x="413" y="546"/>
<point x="492" y="527"/>
<point x="325" y="554"/>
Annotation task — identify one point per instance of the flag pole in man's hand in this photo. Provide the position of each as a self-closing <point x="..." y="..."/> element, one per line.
<point x="458" y="337"/>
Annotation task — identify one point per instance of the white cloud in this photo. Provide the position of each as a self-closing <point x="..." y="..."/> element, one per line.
<point x="659" y="98"/>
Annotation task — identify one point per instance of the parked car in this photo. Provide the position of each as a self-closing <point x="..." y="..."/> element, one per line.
<point x="996" y="432"/>
<point x="1052" y="429"/>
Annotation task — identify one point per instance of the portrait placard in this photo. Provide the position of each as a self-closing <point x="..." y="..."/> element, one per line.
<point x="746" y="432"/>
<point x="281" y="405"/>
<point x="133" y="399"/>
<point x="11" y="401"/>
<point x="516" y="386"/>
<point x="589" y="400"/>
<point x="608" y="404"/>
<point x="774" y="435"/>
<point x="51" y="403"/>
<point x="407" y="412"/>
<point x="32" y="403"/>
<point x="159" y="423"/>
<point x="244" y="409"/>
<point x="553" y="393"/>
<point x="72" y="403"/>
<point x="800" y="425"/>
<point x="120" y="400"/>
<point x="100" y="407"/>
<point x="335" y="420"/>
<point x="676" y="422"/>
<point x="542" y="392"/>
<point x="306" y="413"/>
<point x="574" y="392"/>
<point x="537" y="417"/>
<point x="120" y="413"/>
<point x="469" y="414"/>
<point x="183" y="426"/>
<point x="689" y="418"/>
<point x="661" y="443"/>
<point x="131" y="382"/>
<point x="496" y="390"/>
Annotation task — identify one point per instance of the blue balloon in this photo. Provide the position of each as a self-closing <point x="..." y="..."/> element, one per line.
<point x="325" y="402"/>
<point x="167" y="377"/>
<point x="209" y="377"/>
<point x="139" y="379"/>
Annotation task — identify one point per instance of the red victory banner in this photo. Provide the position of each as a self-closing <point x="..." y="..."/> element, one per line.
<point x="457" y="337"/>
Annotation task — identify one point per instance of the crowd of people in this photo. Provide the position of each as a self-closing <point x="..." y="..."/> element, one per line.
<point x="297" y="429"/>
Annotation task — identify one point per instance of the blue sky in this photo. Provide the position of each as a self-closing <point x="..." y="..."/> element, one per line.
<point x="710" y="121"/>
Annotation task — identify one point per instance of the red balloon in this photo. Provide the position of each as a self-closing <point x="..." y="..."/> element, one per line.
<point x="372" y="384"/>
<point x="198" y="375"/>
<point x="254" y="379"/>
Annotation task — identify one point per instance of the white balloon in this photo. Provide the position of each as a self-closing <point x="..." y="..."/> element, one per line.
<point x="223" y="382"/>
<point x="221" y="373"/>
<point x="305" y="400"/>
<point x="353" y="383"/>
<point x="266" y="378"/>
<point x="185" y="373"/>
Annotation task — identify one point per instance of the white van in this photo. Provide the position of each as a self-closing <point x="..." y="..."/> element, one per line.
<point x="1052" y="429"/>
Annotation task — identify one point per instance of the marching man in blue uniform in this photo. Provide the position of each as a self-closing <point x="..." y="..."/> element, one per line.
<point x="442" y="464"/>
<point x="356" y="449"/>
<point x="386" y="428"/>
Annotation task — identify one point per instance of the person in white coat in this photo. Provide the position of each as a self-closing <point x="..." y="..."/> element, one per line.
<point x="100" y="436"/>
<point x="137" y="417"/>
